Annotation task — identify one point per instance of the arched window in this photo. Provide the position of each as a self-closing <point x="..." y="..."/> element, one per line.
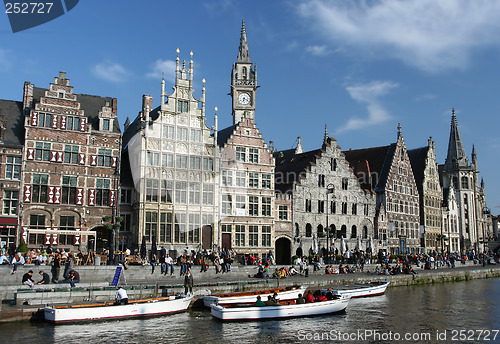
<point x="343" y="231"/>
<point x="354" y="233"/>
<point x="308" y="230"/>
<point x="365" y="232"/>
<point x="319" y="231"/>
<point x="245" y="73"/>
<point x="297" y="230"/>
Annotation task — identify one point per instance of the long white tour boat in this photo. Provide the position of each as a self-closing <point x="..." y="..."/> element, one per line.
<point x="108" y="311"/>
<point x="286" y="309"/>
<point x="361" y="289"/>
<point x="284" y="293"/>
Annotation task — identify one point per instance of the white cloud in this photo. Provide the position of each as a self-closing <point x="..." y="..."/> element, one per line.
<point x="431" y="35"/>
<point x="369" y="94"/>
<point x="109" y="71"/>
<point x="162" y="66"/>
<point x="317" y="50"/>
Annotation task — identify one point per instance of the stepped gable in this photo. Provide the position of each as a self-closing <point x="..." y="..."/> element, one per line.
<point x="11" y="120"/>
<point x="290" y="166"/>
<point x="225" y="134"/>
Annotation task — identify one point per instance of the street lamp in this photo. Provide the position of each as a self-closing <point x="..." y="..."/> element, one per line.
<point x="330" y="189"/>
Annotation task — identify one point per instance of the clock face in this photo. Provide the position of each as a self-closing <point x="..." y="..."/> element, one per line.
<point x="244" y="98"/>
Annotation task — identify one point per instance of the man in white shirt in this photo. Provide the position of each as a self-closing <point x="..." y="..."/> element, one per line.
<point x="121" y="296"/>
<point x="170" y="263"/>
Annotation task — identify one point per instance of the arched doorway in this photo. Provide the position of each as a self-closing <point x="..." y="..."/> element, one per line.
<point x="283" y="251"/>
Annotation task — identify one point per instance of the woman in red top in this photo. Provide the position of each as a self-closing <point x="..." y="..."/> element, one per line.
<point x="309" y="297"/>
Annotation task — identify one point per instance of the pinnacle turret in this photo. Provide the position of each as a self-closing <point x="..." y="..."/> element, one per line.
<point x="456" y="154"/>
<point x="243" y="52"/>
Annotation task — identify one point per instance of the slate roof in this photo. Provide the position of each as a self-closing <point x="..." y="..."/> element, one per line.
<point x="379" y="161"/>
<point x="223" y="135"/>
<point x="417" y="160"/>
<point x="13" y="117"/>
<point x="89" y="103"/>
<point x="290" y="166"/>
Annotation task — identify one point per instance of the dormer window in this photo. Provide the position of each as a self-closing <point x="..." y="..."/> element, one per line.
<point x="182" y="106"/>
<point x="61" y="95"/>
<point x="106" y="124"/>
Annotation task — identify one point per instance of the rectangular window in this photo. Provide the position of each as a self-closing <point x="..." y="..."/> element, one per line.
<point x="354" y="209"/>
<point x="266" y="181"/>
<point x="196" y="135"/>
<point x="40" y="182"/>
<point x="182" y="106"/>
<point x="68" y="192"/>
<point x="168" y="132"/>
<point x="241" y="179"/>
<point x="239" y="236"/>
<point x="253" y="236"/>
<point x="253" y="206"/>
<point x="181" y="161"/>
<point x="37" y="222"/>
<point x="194" y="193"/>
<point x="208" y="194"/>
<point x="73" y="123"/>
<point x="266" y="236"/>
<point x="67" y="223"/>
<point x="104" y="157"/>
<point x="207" y="219"/>
<point x="195" y="162"/>
<point x="165" y="227"/>
<point x="42" y="151"/>
<point x="12" y="167"/>
<point x="153" y="158"/>
<point x="182" y="134"/>
<point x="102" y="191"/>
<point x="208" y="164"/>
<point x="227" y="205"/>
<point x="150" y="225"/>
<point x="180" y="192"/>
<point x="45" y="120"/>
<point x="167" y="190"/>
<point x="226" y="228"/>
<point x="126" y="196"/>
<point x="105" y="124"/>
<point x="321" y="180"/>
<point x="10" y="201"/>
<point x="167" y="160"/>
<point x="253" y="180"/>
<point x="227" y="178"/>
<point x="308" y="205"/>
<point x="333" y="207"/>
<point x="126" y="225"/>
<point x="241" y="201"/>
<point x="241" y="154"/>
<point x="266" y="206"/>
<point x="283" y="212"/>
<point x="194" y="228"/>
<point x="180" y="228"/>
<point x="344" y="208"/>
<point x="71" y="154"/>
<point x="152" y="189"/>
<point x="253" y="155"/>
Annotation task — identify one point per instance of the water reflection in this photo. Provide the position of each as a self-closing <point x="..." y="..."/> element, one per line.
<point x="423" y="309"/>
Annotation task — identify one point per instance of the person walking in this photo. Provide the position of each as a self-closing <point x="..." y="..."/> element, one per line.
<point x="188" y="282"/>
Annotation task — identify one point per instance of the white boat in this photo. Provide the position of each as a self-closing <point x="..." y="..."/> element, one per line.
<point x="107" y="311"/>
<point x="361" y="289"/>
<point x="284" y="293"/>
<point x="288" y="309"/>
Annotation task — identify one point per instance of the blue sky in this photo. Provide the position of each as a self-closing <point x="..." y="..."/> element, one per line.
<point x="358" y="66"/>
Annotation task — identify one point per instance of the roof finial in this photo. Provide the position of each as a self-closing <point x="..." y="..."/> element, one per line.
<point x="453" y="111"/>
<point x="326" y="133"/>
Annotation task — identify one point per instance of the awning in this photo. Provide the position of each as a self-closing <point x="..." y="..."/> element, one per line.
<point x="67" y="232"/>
<point x="8" y="222"/>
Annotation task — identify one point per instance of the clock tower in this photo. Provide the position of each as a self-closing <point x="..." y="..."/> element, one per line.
<point x="243" y="82"/>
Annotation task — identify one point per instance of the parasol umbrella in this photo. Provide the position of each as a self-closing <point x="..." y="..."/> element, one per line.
<point x="342" y="245"/>
<point x="143" y="247"/>
<point x="358" y="243"/>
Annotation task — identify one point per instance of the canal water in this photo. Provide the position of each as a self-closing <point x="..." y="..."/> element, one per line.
<point x="460" y="312"/>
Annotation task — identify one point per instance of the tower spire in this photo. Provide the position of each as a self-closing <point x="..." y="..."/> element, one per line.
<point x="243" y="52"/>
<point x="456" y="152"/>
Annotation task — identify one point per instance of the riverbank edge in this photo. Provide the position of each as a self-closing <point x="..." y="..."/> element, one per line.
<point x="10" y="314"/>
